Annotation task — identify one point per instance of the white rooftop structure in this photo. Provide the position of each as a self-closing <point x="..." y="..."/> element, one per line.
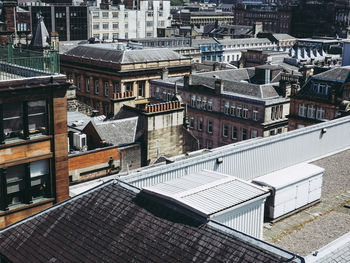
<point x="219" y="197"/>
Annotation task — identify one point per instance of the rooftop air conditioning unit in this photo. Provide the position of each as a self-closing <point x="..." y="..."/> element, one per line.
<point x="79" y="141"/>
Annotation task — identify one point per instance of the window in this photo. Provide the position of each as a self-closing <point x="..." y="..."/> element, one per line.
<point x="97" y="36"/>
<point x="37" y="117"/>
<point x="200" y="124"/>
<point x="234" y="133"/>
<point x="210" y="104"/>
<point x="191" y="122"/>
<point x="96" y="86"/>
<point x="272" y="132"/>
<point x="105" y="15"/>
<point x="322" y="89"/>
<point x="227" y="107"/>
<point x="311" y="111"/>
<point x="12" y="120"/>
<point x="280" y="113"/>
<point x="95" y="14"/>
<point x="273" y="112"/>
<point x="105" y="36"/>
<point x="87" y="84"/>
<point x="115" y="14"/>
<point x="96" y="26"/>
<point x="232" y="111"/>
<point x="115" y="35"/>
<point x="126" y="15"/>
<point x="161" y="23"/>
<point x="255" y="114"/>
<point x="239" y="111"/>
<point x="149" y="14"/>
<point x="149" y="23"/>
<point x="106" y="88"/>
<point x="204" y="103"/>
<point x="116" y="87"/>
<point x="225" y="130"/>
<point x="105" y="25"/>
<point x="77" y="79"/>
<point x="279" y="130"/>
<point x="210" y="126"/>
<point x="244" y="134"/>
<point x="25" y="183"/>
<point x="164" y="95"/>
<point x="126" y="35"/>
<point x="302" y="110"/>
<point x="128" y="86"/>
<point x="245" y="112"/>
<point x="253" y="133"/>
<point x="193" y="101"/>
<point x="156" y="92"/>
<point x="209" y="144"/>
<point x="141" y="88"/>
<point x="115" y="25"/>
<point x="320" y="113"/>
<point x="199" y="102"/>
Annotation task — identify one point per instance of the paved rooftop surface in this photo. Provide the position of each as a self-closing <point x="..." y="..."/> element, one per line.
<point x="322" y="223"/>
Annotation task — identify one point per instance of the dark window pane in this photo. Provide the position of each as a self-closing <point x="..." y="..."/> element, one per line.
<point x="15" y="184"/>
<point x="39" y="172"/>
<point x="37" y="117"/>
<point x="13" y="120"/>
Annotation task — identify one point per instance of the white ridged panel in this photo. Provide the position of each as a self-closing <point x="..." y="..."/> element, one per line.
<point x="257" y="157"/>
<point x="247" y="219"/>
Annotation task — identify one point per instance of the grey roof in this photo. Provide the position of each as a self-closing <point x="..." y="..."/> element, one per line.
<point x="116" y="223"/>
<point x="110" y="53"/>
<point x="340" y="74"/>
<point x="230" y="74"/>
<point x="244" y="41"/>
<point x="78" y="121"/>
<point x="208" y="192"/>
<point x="281" y="36"/>
<point x="117" y="132"/>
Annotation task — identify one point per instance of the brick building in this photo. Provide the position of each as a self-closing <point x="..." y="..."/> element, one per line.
<point x="226" y="106"/>
<point x="99" y="71"/>
<point x="324" y="97"/>
<point x="33" y="136"/>
<point x="276" y="19"/>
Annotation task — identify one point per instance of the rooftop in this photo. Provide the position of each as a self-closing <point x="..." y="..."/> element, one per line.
<point x="114" y="222"/>
<point x="340" y="74"/>
<point x="114" y="54"/>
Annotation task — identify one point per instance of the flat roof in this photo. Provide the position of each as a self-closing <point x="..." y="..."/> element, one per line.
<point x="289" y="175"/>
<point x="208" y="192"/>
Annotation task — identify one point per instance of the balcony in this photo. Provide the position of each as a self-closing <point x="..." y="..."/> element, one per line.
<point x="23" y="63"/>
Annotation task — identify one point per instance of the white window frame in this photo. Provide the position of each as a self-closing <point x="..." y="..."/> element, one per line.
<point x="210" y="127"/>
<point x="234" y="131"/>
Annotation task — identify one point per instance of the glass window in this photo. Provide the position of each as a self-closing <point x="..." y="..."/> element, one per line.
<point x="141" y="88"/>
<point x="225" y="130"/>
<point x="255" y="114"/>
<point x="193" y="101"/>
<point x="96" y="86"/>
<point x="15" y="184"/>
<point x="37" y="123"/>
<point x="200" y="124"/>
<point x="234" y="132"/>
<point x="13" y="120"/>
<point x="115" y="35"/>
<point x="320" y="113"/>
<point x="210" y="104"/>
<point x="199" y="102"/>
<point x="95" y="14"/>
<point x="245" y="112"/>
<point x="106" y="88"/>
<point x="210" y="126"/>
<point x="232" y="111"/>
<point x="105" y="36"/>
<point x="87" y="84"/>
<point x="204" y="103"/>
<point x="96" y="26"/>
<point x="105" y="14"/>
<point x="115" y="14"/>
<point x="78" y="82"/>
<point x="253" y="134"/>
<point x="115" y="25"/>
<point x="302" y="110"/>
<point x="191" y="122"/>
<point x="244" y="134"/>
<point x="239" y="111"/>
<point x="227" y="107"/>
<point x="105" y="25"/>
<point x="311" y="111"/>
<point x="116" y="87"/>
<point x="39" y="174"/>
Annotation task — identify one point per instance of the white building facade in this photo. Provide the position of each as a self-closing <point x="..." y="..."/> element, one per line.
<point x="117" y="22"/>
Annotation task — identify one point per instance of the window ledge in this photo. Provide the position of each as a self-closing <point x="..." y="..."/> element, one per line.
<point x="22" y="141"/>
<point x="22" y="207"/>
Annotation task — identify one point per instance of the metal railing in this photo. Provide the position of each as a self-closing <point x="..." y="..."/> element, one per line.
<point x="23" y="63"/>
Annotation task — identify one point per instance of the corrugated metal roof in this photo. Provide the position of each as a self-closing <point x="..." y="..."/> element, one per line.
<point x="207" y="192"/>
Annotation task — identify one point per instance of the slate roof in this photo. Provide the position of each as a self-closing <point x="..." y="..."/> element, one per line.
<point x="236" y="74"/>
<point x="117" y="132"/>
<point x="110" y="53"/>
<point x="340" y="74"/>
<point x="112" y="223"/>
<point x="41" y="38"/>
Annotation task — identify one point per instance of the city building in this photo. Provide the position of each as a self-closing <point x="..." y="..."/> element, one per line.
<point x="274" y="19"/>
<point x="228" y="106"/>
<point x="101" y="71"/>
<point x="33" y="134"/>
<point x="117" y="22"/>
<point x="69" y="21"/>
<point x="14" y="23"/>
<point x="324" y="96"/>
<point x="201" y="18"/>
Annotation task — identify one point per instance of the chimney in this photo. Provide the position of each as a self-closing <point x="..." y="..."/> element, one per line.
<point x="54" y="41"/>
<point x="165" y="73"/>
<point x="187" y="81"/>
<point x="219" y="86"/>
<point x="294" y="89"/>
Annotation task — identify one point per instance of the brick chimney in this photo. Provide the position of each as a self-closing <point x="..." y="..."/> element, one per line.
<point x="219" y="86"/>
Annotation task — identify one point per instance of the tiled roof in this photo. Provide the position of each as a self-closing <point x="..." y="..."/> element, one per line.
<point x="109" y="53"/>
<point x="340" y="74"/>
<point x="117" y="132"/>
<point x="112" y="223"/>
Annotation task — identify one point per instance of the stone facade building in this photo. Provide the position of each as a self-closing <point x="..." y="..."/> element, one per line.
<point x="117" y="22"/>
<point x="324" y="96"/>
<point x="226" y="107"/>
<point x="102" y="70"/>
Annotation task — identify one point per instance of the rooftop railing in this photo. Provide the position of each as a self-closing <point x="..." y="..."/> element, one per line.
<point x="18" y="63"/>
